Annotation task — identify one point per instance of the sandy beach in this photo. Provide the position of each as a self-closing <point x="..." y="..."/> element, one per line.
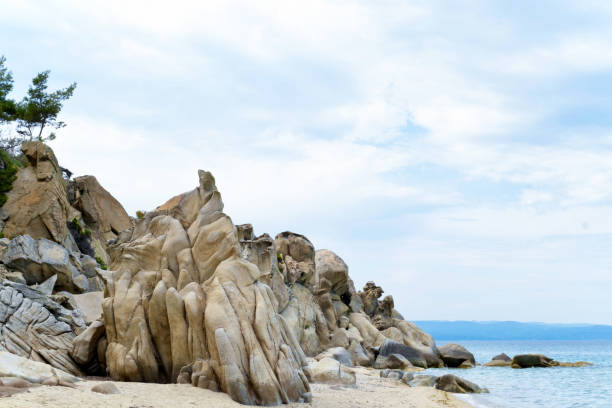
<point x="371" y="391"/>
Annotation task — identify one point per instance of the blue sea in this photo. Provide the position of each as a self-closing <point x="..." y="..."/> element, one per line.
<point x="555" y="387"/>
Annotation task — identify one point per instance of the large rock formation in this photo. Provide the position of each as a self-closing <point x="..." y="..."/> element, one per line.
<point x="189" y="297"/>
<point x="181" y="295"/>
<point x="79" y="215"/>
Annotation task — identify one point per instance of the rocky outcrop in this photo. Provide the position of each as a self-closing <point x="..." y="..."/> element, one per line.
<point x="40" y="260"/>
<point x="181" y="294"/>
<point x="79" y="215"/>
<point x="100" y="210"/>
<point x="38" y="326"/>
<point x="37" y="205"/>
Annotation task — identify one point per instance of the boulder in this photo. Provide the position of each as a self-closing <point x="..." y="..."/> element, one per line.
<point x="414" y="356"/>
<point x="501" y="357"/>
<point x="416" y="338"/>
<point x="532" y="360"/>
<point x="358" y="355"/>
<point x="452" y="383"/>
<point x="298" y="256"/>
<point x="12" y="365"/>
<point x="85" y="345"/>
<point x="222" y="314"/>
<point x="39" y="260"/>
<point x="37" y="326"/>
<point x="90" y="305"/>
<point x="391" y="361"/>
<point x="370" y="296"/>
<point x="339" y="354"/>
<point x="423" y="381"/>
<point x="100" y="210"/>
<point x="107" y="388"/>
<point x="453" y="355"/>
<point x="37" y="205"/>
<point x="392" y="374"/>
<point x="383" y="315"/>
<point x="330" y="371"/>
<point x="331" y="267"/>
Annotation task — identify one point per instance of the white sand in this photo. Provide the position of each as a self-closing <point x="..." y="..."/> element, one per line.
<point x="370" y="392"/>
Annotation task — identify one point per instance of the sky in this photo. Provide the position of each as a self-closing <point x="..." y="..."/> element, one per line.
<point x="459" y="154"/>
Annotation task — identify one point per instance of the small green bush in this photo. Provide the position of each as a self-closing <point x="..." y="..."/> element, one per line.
<point x="101" y="262"/>
<point x="7" y="175"/>
<point x="140" y="214"/>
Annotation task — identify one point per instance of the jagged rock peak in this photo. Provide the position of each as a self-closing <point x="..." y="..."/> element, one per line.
<point x="182" y="300"/>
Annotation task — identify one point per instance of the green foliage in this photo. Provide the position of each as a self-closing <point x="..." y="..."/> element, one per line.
<point x="36" y="113"/>
<point x="7" y="106"/>
<point x="81" y="235"/>
<point x="140" y="214"/>
<point x="8" y="174"/>
<point x="39" y="109"/>
<point x="101" y="262"/>
<point x="279" y="258"/>
<point x="83" y="231"/>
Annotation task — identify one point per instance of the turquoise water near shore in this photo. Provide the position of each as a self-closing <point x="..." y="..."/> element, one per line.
<point x="555" y="387"/>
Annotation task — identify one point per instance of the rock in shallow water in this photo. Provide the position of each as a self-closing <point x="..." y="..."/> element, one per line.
<point x="454" y="355"/>
<point x="452" y="383"/>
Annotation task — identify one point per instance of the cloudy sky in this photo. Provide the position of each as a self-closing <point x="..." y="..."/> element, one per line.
<point x="459" y="153"/>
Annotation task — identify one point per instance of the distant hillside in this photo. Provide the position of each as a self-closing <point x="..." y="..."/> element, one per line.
<point x="466" y="330"/>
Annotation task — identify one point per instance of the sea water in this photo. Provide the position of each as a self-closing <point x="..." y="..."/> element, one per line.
<point x="553" y="387"/>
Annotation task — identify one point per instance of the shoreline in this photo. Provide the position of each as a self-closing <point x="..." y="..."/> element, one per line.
<point x="370" y="391"/>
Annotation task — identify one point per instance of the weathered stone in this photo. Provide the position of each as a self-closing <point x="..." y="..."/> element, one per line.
<point x="331" y="267"/>
<point x="298" y="255"/>
<point x="40" y="260"/>
<point x="423" y="381"/>
<point x="12" y="365"/>
<point x="90" y="305"/>
<point x="452" y="383"/>
<point x="85" y="345"/>
<point x="100" y="210"/>
<point x="391" y="361"/>
<point x="107" y="388"/>
<point x="417" y="339"/>
<point x="37" y="204"/>
<point x="181" y="293"/>
<point x="532" y="360"/>
<point x="502" y="357"/>
<point x="339" y="354"/>
<point x="414" y="356"/>
<point x="454" y="354"/>
<point x="35" y="326"/>
<point x="330" y="371"/>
